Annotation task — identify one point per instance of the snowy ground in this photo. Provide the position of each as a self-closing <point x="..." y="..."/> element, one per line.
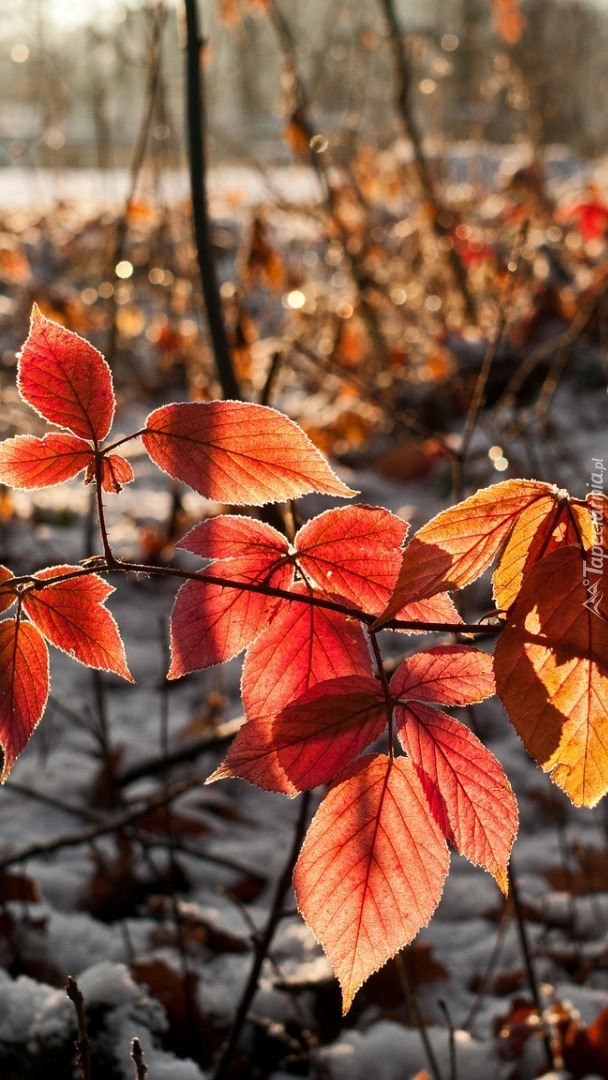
<point x="103" y="911"/>
<point x="477" y="968"/>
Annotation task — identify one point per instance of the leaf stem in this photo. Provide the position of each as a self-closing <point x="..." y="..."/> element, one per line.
<point x="412" y="1002"/>
<point x="529" y="964"/>
<point x="103" y="530"/>
<point x="387" y="691"/>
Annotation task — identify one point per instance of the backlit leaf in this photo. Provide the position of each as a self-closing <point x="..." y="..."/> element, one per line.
<point x="353" y="552"/>
<point x="115" y="473"/>
<point x="311" y="740"/>
<point x="236" y="452"/>
<point x="302" y="646"/>
<point x="447" y="674"/>
<point x="212" y="623"/>
<point x="28" y="462"/>
<point x="539" y="530"/>
<point x="24" y="686"/>
<point x="551" y="665"/>
<point x="456" y="546"/>
<point x="434" y="609"/>
<point x="7" y="597"/>
<point x="71" y="615"/>
<point x="372" y="867"/>
<point x="232" y="536"/>
<point x="468" y="792"/>
<point x="65" y="379"/>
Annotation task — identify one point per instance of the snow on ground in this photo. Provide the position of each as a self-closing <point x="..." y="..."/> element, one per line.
<point x="63" y="933"/>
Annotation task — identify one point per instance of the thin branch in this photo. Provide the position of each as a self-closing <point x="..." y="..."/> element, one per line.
<point x="115" y="824"/>
<point x="98" y="565"/>
<point x="83" y="1045"/>
<point x="137" y="1056"/>
<point x="529" y="964"/>
<point x="403" y="78"/>
<point x="264" y="941"/>
<point x="200" y="215"/>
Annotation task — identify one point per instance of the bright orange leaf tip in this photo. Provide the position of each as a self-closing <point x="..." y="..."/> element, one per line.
<point x="551" y="666"/>
<point x="372" y="868"/>
<point x="236" y="452"/>
<point x="24" y="687"/>
<point x="65" y="379"/>
<point x="456" y="546"/>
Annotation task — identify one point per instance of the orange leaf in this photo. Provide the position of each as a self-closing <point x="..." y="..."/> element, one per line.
<point x="24" y="687"/>
<point x="116" y="472"/>
<point x="456" y="546"/>
<point x="7" y="597"/>
<point x="446" y="674"/>
<point x="65" y="379"/>
<point x="236" y="452"/>
<point x="372" y="867"/>
<point x="302" y="646"/>
<point x="468" y="792"/>
<point x="212" y="623"/>
<point x="551" y="665"/>
<point x="71" y="615"/>
<point x="353" y="552"/>
<point x="311" y="740"/>
<point x="539" y="530"/>
<point x="28" y="462"/>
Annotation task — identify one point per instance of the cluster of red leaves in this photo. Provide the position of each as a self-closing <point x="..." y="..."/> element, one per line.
<point x="373" y="863"/>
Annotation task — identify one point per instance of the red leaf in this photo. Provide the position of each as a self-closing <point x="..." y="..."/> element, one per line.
<point x="116" y="472"/>
<point x="7" y="598"/>
<point x="354" y="553"/>
<point x="551" y="664"/>
<point x="456" y="546"/>
<point x="302" y="646"/>
<point x="24" y="687"/>
<point x="236" y="452"/>
<point x="28" y="462"/>
<point x="65" y="379"/>
<point x="311" y="740"/>
<point x="447" y="674"/>
<point x="435" y="609"/>
<point x="232" y="536"/>
<point x="70" y="614"/>
<point x="371" y="871"/>
<point x="468" y="792"/>
<point x="212" y="623"/>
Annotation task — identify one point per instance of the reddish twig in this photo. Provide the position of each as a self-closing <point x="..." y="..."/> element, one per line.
<point x="83" y="1045"/>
